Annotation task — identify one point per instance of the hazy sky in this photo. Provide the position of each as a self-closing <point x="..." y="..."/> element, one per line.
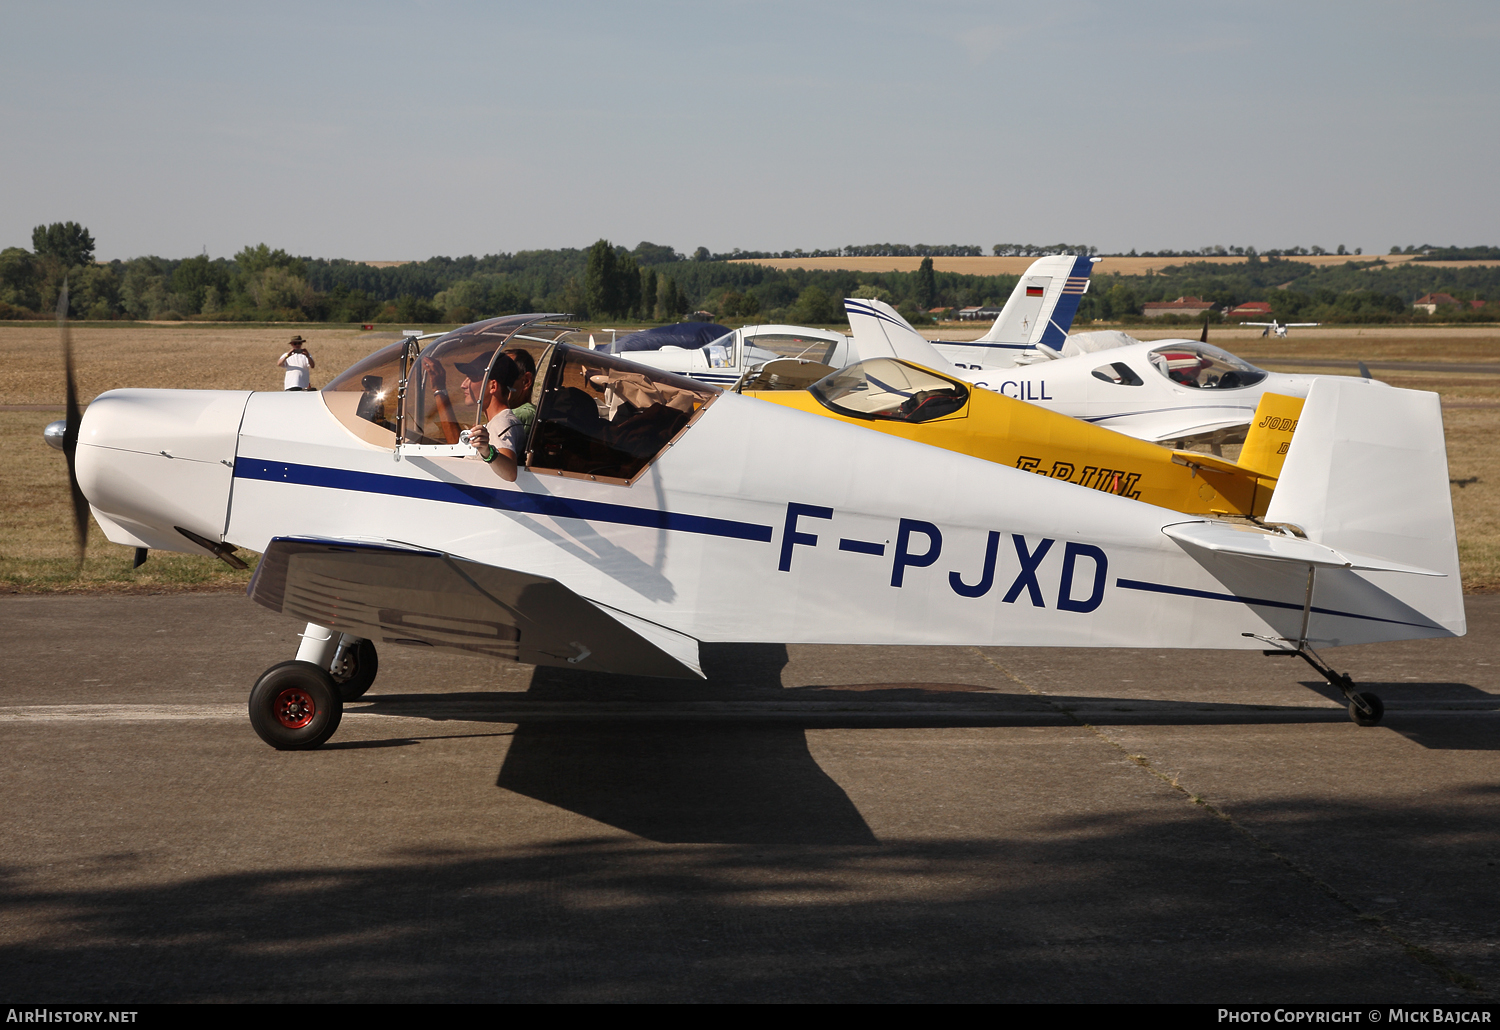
<point x="386" y="131"/>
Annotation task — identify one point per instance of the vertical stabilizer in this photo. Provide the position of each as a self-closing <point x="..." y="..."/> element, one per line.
<point x="1269" y="439"/>
<point x="1367" y="471"/>
<point x="880" y="332"/>
<point x="1040" y="311"/>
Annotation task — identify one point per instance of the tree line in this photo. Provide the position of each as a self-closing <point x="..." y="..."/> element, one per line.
<point x="653" y="283"/>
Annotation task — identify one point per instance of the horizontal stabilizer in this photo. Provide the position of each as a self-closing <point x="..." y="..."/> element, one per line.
<point x="1224" y="539"/>
<point x="427" y="598"/>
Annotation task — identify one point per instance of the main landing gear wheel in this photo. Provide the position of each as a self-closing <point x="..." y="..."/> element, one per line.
<point x="354" y="670"/>
<point x="1366" y="709"/>
<point x="295" y="706"/>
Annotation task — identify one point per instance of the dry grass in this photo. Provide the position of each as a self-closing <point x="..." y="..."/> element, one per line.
<point x="187" y="355"/>
<point x="1018" y="265"/>
<point x="36" y="548"/>
<point x="36" y="536"/>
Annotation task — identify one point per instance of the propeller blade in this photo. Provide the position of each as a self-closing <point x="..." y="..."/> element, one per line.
<point x="1365" y="371"/>
<point x="1203" y="336"/>
<point x="72" y="419"/>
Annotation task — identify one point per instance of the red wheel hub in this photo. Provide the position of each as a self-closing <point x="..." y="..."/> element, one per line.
<point x="294" y="708"/>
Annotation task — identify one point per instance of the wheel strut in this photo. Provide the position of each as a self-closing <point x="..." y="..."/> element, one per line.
<point x="1364" y="708"/>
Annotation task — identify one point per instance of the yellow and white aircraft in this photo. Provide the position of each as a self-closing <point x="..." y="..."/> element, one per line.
<point x="905" y="400"/>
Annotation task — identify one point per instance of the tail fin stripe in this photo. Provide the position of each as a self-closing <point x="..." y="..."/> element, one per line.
<point x="866" y="309"/>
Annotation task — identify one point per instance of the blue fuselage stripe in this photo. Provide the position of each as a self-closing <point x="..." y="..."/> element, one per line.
<point x="487" y="497"/>
<point x="1163" y="588"/>
<point x="976" y="343"/>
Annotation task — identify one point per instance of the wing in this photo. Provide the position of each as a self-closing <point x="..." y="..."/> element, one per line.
<point x="1163" y="427"/>
<point x="404" y="595"/>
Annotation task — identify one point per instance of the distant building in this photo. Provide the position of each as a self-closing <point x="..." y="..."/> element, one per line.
<point x="1180" y="306"/>
<point x="1250" y="309"/>
<point x="1430" y="302"/>
<point x="987" y="313"/>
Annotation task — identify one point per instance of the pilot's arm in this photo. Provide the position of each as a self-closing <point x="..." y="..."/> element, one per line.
<point x="501" y="459"/>
<point x="447" y="420"/>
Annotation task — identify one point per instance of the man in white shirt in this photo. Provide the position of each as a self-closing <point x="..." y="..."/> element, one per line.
<point x="501" y="441"/>
<point x="298" y="363"/>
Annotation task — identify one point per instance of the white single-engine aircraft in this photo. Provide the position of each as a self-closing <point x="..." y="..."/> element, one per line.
<point x="1037" y="315"/>
<point x="723" y="361"/>
<point x="1157" y="390"/>
<point x="652" y="512"/>
<point x="1280" y="328"/>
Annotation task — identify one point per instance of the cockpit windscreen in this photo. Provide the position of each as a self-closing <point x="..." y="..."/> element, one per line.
<point x="883" y="388"/>
<point x="1205" y="367"/>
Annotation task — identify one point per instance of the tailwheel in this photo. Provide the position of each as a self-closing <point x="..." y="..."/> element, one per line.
<point x="295" y="706"/>
<point x="1365" y="708"/>
<point x="354" y="668"/>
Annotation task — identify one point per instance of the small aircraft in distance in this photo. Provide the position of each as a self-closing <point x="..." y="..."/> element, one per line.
<point x="1280" y="328"/>
<point x="650" y="512"/>
<point x="1161" y="390"/>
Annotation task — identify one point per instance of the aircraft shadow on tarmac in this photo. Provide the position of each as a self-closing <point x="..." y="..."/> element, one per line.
<point x="679" y="761"/>
<point x="1431" y="714"/>
<point x="675" y="782"/>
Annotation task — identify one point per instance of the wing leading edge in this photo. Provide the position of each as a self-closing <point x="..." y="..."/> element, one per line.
<point x="429" y="598"/>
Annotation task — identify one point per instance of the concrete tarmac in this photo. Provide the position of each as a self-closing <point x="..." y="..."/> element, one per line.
<point x="813" y="824"/>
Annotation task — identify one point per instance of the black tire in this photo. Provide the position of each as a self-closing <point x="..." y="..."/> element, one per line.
<point x="358" y="672"/>
<point x="295" y="706"/>
<point x="1377" y="710"/>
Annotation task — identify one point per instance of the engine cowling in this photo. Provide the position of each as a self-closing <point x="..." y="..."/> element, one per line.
<point x="153" y="462"/>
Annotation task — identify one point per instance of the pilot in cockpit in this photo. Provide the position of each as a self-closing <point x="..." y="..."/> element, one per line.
<point x="501" y="440"/>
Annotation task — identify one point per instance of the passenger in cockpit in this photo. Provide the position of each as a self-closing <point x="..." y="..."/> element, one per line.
<point x="520" y="401"/>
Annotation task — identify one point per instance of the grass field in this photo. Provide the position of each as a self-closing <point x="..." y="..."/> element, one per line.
<point x="36" y="537"/>
<point x="1017" y="265"/>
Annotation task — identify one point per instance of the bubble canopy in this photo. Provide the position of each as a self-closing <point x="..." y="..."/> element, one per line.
<point x="889" y="390"/>
<point x="597" y="416"/>
<point x="1204" y="366"/>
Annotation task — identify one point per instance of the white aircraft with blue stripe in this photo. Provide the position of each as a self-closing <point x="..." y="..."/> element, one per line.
<point x="1038" y="315"/>
<point x="1160" y="391"/>
<point x="650" y="513"/>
